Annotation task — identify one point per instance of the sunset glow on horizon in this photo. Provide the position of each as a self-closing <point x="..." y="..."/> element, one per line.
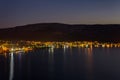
<point x="15" y="13"/>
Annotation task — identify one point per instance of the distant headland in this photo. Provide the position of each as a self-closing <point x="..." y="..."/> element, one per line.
<point x="63" y="32"/>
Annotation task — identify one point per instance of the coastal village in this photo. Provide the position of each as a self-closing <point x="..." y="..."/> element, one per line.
<point x="24" y="46"/>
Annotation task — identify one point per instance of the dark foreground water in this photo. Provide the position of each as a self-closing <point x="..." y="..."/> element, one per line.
<point x="62" y="64"/>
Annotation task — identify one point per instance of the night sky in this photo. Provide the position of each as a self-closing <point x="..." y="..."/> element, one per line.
<point x="21" y="12"/>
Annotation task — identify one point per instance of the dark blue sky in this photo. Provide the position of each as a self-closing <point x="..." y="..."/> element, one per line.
<point x="21" y="12"/>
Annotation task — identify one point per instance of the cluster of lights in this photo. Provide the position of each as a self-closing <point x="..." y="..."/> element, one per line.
<point x="30" y="45"/>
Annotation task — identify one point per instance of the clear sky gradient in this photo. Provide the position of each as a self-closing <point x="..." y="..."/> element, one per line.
<point x="21" y="12"/>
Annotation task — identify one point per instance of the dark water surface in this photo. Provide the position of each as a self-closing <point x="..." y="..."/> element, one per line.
<point x="62" y="64"/>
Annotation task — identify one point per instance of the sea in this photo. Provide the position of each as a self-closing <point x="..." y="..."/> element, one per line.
<point x="61" y="64"/>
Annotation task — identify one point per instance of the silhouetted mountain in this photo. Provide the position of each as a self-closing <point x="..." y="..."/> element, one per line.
<point x="62" y="32"/>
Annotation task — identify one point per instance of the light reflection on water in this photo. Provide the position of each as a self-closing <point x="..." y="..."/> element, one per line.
<point x="89" y="62"/>
<point x="11" y="66"/>
<point x="64" y="63"/>
<point x="51" y="59"/>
